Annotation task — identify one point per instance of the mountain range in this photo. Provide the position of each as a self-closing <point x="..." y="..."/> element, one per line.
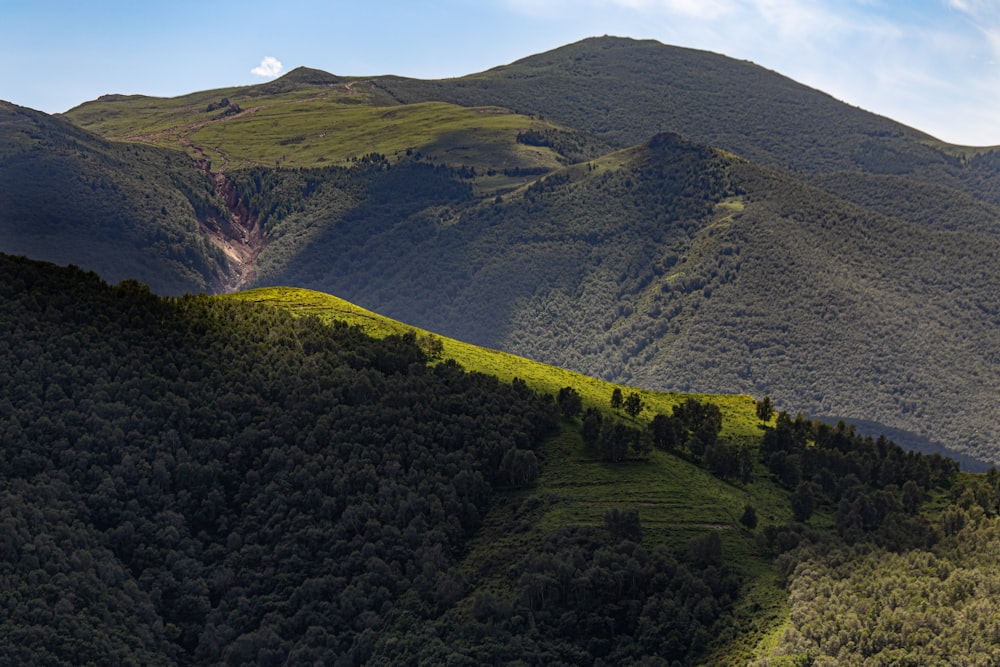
<point x="672" y="219"/>
<point x="270" y="474"/>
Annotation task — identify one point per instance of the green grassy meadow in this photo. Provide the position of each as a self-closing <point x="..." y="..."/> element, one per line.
<point x="321" y="126"/>
<point x="316" y="133"/>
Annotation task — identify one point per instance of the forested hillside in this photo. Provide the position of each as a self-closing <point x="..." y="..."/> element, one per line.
<point x="123" y="210"/>
<point x="677" y="268"/>
<point x="212" y="481"/>
<point x="200" y="481"/>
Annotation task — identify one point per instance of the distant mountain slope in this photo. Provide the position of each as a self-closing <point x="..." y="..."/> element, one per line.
<point x="122" y="210"/>
<point x="308" y="118"/>
<point x="676" y="267"/>
<point x="626" y="90"/>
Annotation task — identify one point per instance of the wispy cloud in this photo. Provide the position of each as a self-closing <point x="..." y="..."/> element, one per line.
<point x="268" y="67"/>
<point x="700" y="9"/>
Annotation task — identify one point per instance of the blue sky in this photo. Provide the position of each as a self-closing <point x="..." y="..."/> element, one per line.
<point x="932" y="64"/>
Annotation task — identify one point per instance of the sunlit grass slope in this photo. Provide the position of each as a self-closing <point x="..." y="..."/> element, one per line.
<point x="740" y="422"/>
<point x="317" y="125"/>
<point x="315" y="132"/>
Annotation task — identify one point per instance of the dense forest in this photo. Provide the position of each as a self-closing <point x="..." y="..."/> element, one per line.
<point x="197" y="481"/>
<point x="206" y="481"/>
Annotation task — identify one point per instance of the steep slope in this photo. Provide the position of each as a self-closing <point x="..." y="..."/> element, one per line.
<point x="625" y="91"/>
<point x="123" y="210"/>
<point x="680" y="268"/>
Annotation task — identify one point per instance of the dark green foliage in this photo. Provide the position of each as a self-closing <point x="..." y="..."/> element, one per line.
<point x="749" y="516"/>
<point x="125" y="211"/>
<point x="616" y="399"/>
<point x="705" y="549"/>
<point x="765" y="409"/>
<point x="518" y="468"/>
<point x="592" y="423"/>
<point x="696" y="425"/>
<point x="616" y="439"/>
<point x="867" y="483"/>
<point x="582" y="601"/>
<point x="570" y="402"/>
<point x="624" y="524"/>
<point x="804" y="501"/>
<point x="913" y="495"/>
<point x="432" y="346"/>
<point x="200" y="482"/>
<point x="744" y="463"/>
<point x="573" y="147"/>
<point x="633" y="404"/>
<point x="666" y="431"/>
<point x="722" y="460"/>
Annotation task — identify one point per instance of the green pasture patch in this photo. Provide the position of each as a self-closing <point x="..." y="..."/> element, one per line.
<point x="129" y="116"/>
<point x="319" y="132"/>
<point x="320" y="126"/>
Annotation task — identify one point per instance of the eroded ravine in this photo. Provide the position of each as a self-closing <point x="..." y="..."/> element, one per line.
<point x="238" y="234"/>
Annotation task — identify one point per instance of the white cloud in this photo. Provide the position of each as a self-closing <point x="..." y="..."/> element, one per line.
<point x="268" y="67"/>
